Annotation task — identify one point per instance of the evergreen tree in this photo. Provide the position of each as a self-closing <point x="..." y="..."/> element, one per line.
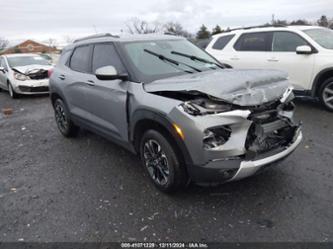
<point x="216" y="30"/>
<point x="323" y="21"/>
<point x="203" y="33"/>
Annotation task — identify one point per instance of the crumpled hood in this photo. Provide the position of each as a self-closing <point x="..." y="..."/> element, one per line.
<point x="31" y="68"/>
<point x="239" y="87"/>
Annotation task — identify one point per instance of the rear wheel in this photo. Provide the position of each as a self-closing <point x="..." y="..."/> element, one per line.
<point x="65" y="125"/>
<point x="11" y="91"/>
<point x="161" y="162"/>
<point x="326" y="94"/>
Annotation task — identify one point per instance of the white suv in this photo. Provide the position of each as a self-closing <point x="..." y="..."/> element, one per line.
<point x="304" y="52"/>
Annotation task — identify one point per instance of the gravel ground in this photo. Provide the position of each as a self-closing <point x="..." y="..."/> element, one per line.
<point x="88" y="189"/>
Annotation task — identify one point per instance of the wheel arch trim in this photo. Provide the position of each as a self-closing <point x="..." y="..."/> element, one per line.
<point x="316" y="82"/>
<point x="146" y="116"/>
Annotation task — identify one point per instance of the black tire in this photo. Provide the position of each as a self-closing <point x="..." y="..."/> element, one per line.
<point x="326" y="94"/>
<point x="11" y="91"/>
<point x="166" y="169"/>
<point x="65" y="125"/>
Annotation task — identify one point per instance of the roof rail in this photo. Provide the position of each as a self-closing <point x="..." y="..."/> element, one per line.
<point x="253" y="27"/>
<point x="95" y="36"/>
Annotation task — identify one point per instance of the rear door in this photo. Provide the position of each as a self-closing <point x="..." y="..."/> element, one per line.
<point x="78" y="78"/>
<point x="284" y="57"/>
<point x="251" y="50"/>
<point x="106" y="99"/>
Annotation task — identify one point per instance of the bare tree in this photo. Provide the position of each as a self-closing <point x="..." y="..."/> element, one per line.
<point x="68" y="39"/>
<point x="177" y="29"/>
<point x="52" y="42"/>
<point x="3" y="43"/>
<point x="138" y="26"/>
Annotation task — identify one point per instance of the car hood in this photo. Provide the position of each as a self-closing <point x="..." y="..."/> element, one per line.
<point x="239" y="87"/>
<point x="31" y="68"/>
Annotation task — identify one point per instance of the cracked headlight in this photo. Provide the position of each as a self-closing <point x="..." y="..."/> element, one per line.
<point x="204" y="106"/>
<point x="20" y="76"/>
<point x="216" y="137"/>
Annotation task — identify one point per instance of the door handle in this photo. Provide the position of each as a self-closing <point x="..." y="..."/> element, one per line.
<point x="272" y="60"/>
<point x="90" y="83"/>
<point x="62" y="77"/>
<point x="234" y="58"/>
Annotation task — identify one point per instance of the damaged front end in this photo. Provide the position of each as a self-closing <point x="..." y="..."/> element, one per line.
<point x="233" y="122"/>
<point x="272" y="126"/>
<point x="31" y="80"/>
<point x="233" y="134"/>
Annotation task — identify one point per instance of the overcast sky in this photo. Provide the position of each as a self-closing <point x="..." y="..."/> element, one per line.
<point x="41" y="19"/>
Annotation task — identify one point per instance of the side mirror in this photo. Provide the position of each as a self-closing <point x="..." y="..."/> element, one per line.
<point x="304" y="50"/>
<point x="2" y="69"/>
<point x="109" y="73"/>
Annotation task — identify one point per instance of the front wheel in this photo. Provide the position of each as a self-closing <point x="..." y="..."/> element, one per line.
<point x="11" y="91"/>
<point x="65" y="125"/>
<point x="326" y="94"/>
<point x="161" y="162"/>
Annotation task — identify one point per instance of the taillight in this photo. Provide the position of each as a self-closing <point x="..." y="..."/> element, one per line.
<point x="49" y="72"/>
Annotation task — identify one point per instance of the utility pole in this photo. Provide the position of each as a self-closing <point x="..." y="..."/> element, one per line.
<point x="273" y="19"/>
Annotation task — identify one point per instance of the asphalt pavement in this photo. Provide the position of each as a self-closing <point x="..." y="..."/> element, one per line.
<point x="89" y="189"/>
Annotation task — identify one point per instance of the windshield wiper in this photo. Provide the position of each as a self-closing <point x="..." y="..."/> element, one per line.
<point x="177" y="63"/>
<point x="195" y="58"/>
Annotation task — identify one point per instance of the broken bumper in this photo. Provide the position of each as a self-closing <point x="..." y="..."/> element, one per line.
<point x="248" y="168"/>
<point x="232" y="169"/>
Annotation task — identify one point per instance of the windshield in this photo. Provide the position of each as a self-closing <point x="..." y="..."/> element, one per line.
<point x="324" y="37"/>
<point x="19" y="61"/>
<point x="150" y="67"/>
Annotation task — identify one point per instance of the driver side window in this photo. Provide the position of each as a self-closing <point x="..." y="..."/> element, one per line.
<point x="105" y="54"/>
<point x="287" y="42"/>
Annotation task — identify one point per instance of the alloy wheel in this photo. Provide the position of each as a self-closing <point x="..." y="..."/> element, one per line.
<point x="328" y="95"/>
<point x="61" y="118"/>
<point x="156" y="162"/>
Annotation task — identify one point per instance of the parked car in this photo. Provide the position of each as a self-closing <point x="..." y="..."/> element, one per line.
<point x="305" y="52"/>
<point x="185" y="115"/>
<point x="24" y="74"/>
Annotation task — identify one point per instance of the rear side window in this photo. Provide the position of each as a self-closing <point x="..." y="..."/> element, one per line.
<point x="222" y="42"/>
<point x="287" y="42"/>
<point x="254" y="42"/>
<point x="106" y="55"/>
<point x="80" y="60"/>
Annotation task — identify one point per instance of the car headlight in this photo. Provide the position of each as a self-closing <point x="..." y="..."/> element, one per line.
<point x="216" y="137"/>
<point x="20" y="76"/>
<point x="204" y="106"/>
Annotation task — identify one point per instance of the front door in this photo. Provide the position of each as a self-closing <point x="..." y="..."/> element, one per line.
<point x="106" y="99"/>
<point x="283" y="57"/>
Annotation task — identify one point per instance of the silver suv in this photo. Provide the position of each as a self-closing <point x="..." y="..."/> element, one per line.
<point x="167" y="100"/>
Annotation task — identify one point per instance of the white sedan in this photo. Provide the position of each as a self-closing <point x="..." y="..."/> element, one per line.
<point x="24" y="74"/>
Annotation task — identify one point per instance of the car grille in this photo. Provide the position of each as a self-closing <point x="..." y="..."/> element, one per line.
<point x="39" y="75"/>
<point x="34" y="89"/>
<point x="268" y="132"/>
